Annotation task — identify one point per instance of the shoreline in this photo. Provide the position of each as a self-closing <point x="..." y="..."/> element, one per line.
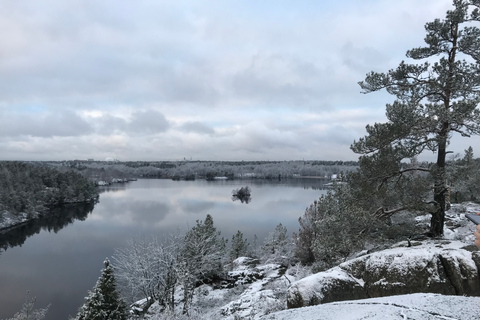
<point x="5" y="228"/>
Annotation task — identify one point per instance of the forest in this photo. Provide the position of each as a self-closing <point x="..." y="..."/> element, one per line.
<point x="191" y="170"/>
<point x="33" y="188"/>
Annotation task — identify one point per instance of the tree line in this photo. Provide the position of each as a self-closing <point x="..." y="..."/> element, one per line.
<point x="191" y="170"/>
<point x="28" y="188"/>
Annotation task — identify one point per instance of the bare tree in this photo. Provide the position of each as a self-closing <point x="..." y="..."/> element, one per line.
<point x="27" y="312"/>
<point x="148" y="269"/>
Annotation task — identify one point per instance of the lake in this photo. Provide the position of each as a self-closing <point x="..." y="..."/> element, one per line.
<point x="60" y="258"/>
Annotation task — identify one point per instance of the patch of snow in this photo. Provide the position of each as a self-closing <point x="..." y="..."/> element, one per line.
<point x="419" y="306"/>
<point x="309" y="284"/>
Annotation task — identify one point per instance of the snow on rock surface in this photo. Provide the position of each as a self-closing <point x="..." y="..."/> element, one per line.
<point x="259" y="296"/>
<point x="435" y="266"/>
<point x="332" y="285"/>
<point x="418" y="306"/>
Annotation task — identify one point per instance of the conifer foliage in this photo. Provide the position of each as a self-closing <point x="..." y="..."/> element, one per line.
<point x="104" y="301"/>
<point x="201" y="257"/>
<point x="239" y="246"/>
<point x="434" y="100"/>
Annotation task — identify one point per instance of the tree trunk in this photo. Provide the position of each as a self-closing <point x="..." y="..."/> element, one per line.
<point x="438" y="216"/>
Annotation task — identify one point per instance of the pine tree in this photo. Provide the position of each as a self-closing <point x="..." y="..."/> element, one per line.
<point x="434" y="100"/>
<point x="278" y="247"/>
<point x="201" y="257"/>
<point x="239" y="246"/>
<point x="464" y="178"/>
<point x="104" y="301"/>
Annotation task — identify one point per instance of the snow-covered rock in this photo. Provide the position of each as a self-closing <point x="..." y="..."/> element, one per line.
<point x="419" y="306"/>
<point x="332" y="285"/>
<point x="435" y="266"/>
<point x="260" y="295"/>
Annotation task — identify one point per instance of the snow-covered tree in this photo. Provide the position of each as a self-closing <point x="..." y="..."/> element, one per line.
<point x="278" y="247"/>
<point x="147" y="268"/>
<point x="239" y="246"/>
<point x="434" y="100"/>
<point x="464" y="178"/>
<point x="201" y="257"/>
<point x="307" y="234"/>
<point x="104" y="301"/>
<point x="27" y="312"/>
<point x="340" y="228"/>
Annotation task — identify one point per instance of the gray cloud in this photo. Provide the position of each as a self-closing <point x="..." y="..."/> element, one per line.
<point x="236" y="81"/>
<point x="196" y="127"/>
<point x="62" y="124"/>
<point x="108" y="124"/>
<point x="149" y="121"/>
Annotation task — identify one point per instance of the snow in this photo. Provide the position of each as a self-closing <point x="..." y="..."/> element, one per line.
<point x="418" y="306"/>
<point x="8" y="219"/>
<point x="308" y="286"/>
<point x="260" y="291"/>
<point x="257" y="297"/>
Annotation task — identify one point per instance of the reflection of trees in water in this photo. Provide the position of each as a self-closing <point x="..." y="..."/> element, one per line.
<point x="114" y="188"/>
<point x="55" y="220"/>
<point x="243" y="194"/>
<point x="305" y="183"/>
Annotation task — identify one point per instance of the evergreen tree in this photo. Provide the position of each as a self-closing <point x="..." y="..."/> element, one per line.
<point x="104" y="301"/>
<point x="201" y="257"/>
<point x="434" y="100"/>
<point x="464" y="178"/>
<point x="307" y="234"/>
<point x="278" y="247"/>
<point x="239" y="246"/>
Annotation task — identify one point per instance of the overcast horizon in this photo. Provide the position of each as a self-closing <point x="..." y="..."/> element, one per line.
<point x="203" y="80"/>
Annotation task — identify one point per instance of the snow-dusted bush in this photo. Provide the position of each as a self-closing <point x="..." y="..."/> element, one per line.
<point x="27" y="312"/>
<point x="148" y="269"/>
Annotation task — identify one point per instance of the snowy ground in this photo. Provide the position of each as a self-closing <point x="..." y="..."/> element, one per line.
<point x="418" y="306"/>
<point x="265" y="298"/>
<point x="8" y="220"/>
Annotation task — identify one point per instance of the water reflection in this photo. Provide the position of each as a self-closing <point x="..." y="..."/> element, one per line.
<point x="60" y="268"/>
<point x="57" y="219"/>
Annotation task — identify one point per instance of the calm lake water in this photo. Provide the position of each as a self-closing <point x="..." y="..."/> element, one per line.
<point x="60" y="258"/>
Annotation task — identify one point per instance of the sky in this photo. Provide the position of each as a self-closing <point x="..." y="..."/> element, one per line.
<point x="202" y="80"/>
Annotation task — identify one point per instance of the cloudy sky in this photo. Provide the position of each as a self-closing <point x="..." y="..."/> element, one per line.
<point x="208" y="80"/>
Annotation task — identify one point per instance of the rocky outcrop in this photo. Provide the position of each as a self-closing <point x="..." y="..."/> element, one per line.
<point x="332" y="285"/>
<point x="418" y="306"/>
<point x="443" y="267"/>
